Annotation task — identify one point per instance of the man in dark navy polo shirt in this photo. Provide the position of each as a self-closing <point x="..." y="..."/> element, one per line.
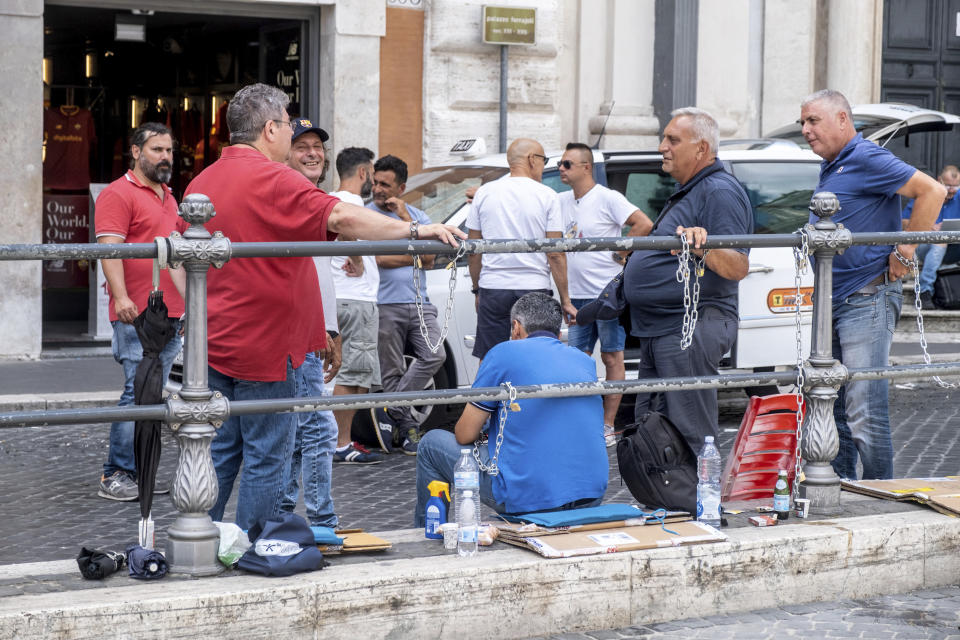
<point x="707" y="200"/>
<point x="867" y="293"/>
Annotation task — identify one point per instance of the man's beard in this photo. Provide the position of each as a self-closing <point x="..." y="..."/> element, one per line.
<point x="367" y="188"/>
<point x="160" y="172"/>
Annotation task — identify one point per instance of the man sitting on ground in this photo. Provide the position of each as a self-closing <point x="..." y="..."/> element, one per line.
<point x="553" y="455"/>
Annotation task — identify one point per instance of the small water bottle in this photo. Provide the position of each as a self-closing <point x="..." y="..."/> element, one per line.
<point x="708" y="487"/>
<point x="466" y="477"/>
<point x="467" y="525"/>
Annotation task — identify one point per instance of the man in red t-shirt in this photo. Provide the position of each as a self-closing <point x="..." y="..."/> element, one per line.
<point x="265" y="314"/>
<point x="136" y="207"/>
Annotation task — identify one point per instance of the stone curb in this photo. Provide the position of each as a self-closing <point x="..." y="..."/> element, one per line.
<point x="53" y="401"/>
<point x="509" y="592"/>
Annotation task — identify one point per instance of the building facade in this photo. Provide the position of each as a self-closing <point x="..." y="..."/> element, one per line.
<point x="408" y="77"/>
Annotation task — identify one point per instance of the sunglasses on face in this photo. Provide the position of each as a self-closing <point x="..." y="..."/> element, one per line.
<point x="544" y="158"/>
<point x="567" y="164"/>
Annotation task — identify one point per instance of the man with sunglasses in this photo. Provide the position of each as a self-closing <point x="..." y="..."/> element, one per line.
<point x="591" y="210"/>
<point x="515" y="207"/>
<point x="932" y="254"/>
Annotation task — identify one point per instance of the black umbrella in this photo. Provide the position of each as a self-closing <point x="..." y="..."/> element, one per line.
<point x="155" y="330"/>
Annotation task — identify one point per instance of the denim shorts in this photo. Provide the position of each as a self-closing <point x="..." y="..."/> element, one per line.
<point x="584" y="337"/>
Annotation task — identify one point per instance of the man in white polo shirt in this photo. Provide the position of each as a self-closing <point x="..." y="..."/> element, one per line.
<point x="357" y="281"/>
<point x="517" y="206"/>
<point x="591" y="210"/>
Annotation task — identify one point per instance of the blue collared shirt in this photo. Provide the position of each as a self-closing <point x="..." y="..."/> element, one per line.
<point x="865" y="177"/>
<point x="949" y="211"/>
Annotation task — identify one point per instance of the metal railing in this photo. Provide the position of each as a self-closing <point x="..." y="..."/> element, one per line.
<point x="195" y="412"/>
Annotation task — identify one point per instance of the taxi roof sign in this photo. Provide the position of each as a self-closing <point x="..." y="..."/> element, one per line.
<point x="469" y="147"/>
<point x="509" y="25"/>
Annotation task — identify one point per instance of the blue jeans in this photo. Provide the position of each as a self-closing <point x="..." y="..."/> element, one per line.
<point x="863" y="328"/>
<point x="262" y="443"/>
<point x="611" y="333"/>
<point x="437" y="455"/>
<point x="313" y="450"/>
<point x="128" y="351"/>
<point x="932" y="256"/>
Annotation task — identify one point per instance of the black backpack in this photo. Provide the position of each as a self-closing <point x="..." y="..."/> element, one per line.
<point x="657" y="465"/>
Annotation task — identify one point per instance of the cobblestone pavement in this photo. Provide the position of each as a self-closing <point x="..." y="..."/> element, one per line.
<point x="932" y="614"/>
<point x="49" y="509"/>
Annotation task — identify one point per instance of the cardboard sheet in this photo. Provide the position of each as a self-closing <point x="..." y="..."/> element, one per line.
<point x="942" y="494"/>
<point x="613" y="540"/>
<point x="356" y="541"/>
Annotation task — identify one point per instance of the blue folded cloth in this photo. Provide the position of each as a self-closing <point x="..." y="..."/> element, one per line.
<point x="325" y="535"/>
<point x="587" y="515"/>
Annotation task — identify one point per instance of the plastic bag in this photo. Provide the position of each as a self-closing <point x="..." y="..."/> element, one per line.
<point x="233" y="543"/>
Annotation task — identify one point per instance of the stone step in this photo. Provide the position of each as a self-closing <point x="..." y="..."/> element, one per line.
<point x="934" y="321"/>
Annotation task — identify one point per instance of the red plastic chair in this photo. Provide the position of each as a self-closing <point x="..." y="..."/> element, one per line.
<point x="766" y="443"/>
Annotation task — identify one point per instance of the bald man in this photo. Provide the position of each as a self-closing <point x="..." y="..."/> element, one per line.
<point x="516" y="206"/>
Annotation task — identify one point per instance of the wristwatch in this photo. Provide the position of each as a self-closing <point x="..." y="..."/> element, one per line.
<point x="414" y="230"/>
<point x="333" y="334"/>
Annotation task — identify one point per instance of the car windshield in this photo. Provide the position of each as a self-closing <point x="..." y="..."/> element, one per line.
<point x="866" y="125"/>
<point x="440" y="192"/>
<point x="779" y="193"/>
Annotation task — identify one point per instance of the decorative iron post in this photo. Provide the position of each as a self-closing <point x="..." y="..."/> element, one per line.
<point x="196" y="412"/>
<point x="823" y="374"/>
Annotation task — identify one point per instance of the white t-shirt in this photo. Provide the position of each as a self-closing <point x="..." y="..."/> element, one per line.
<point x="600" y="213"/>
<point x="365" y="287"/>
<point x="508" y="209"/>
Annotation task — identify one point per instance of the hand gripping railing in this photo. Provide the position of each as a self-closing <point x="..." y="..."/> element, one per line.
<point x="195" y="412"/>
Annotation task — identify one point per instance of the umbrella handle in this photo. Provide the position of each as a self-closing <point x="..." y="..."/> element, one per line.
<point x="160" y="262"/>
<point x="146" y="535"/>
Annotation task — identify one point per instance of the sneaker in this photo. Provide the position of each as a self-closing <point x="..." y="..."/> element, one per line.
<point x="119" y="486"/>
<point x="356" y="453"/>
<point x="383" y="428"/>
<point x="609" y="435"/>
<point x="926" y="301"/>
<point x="411" y="442"/>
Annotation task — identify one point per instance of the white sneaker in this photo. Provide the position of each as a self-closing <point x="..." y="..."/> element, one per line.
<point x="609" y="435"/>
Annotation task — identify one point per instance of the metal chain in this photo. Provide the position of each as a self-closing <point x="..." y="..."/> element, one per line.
<point x="448" y="308"/>
<point x="511" y="404"/>
<point x="690" y="302"/>
<point x="801" y="264"/>
<point x="915" y="265"/>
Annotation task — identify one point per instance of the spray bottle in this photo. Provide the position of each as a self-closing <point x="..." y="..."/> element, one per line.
<point x="437" y="508"/>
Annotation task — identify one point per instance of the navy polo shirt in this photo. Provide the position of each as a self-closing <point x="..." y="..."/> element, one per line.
<point x="865" y="177"/>
<point x="712" y="199"/>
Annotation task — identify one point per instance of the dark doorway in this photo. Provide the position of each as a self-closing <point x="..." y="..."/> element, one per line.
<point x="921" y="66"/>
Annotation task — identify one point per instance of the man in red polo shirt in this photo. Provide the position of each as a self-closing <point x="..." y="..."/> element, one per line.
<point x="265" y="314"/>
<point x="136" y="208"/>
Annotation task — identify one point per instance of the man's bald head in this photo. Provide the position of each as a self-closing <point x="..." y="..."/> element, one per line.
<point x="526" y="159"/>
<point x="950" y="178"/>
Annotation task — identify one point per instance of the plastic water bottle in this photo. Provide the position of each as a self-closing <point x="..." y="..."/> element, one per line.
<point x="466" y="477"/>
<point x="708" y="488"/>
<point x="467" y="525"/>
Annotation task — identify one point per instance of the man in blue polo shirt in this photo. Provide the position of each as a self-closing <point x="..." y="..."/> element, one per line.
<point x="707" y="200"/>
<point x="932" y="254"/>
<point x="867" y="293"/>
<point x="553" y="455"/>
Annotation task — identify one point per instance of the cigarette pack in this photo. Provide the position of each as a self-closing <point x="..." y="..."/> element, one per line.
<point x="763" y="521"/>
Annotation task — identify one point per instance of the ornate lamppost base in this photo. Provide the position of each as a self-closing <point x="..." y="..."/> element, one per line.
<point x="192" y="543"/>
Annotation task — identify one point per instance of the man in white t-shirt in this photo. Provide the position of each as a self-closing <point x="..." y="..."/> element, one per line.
<point x="517" y="206"/>
<point x="591" y="210"/>
<point x="357" y="280"/>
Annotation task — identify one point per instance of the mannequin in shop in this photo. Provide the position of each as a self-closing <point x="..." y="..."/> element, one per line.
<point x="265" y="314"/>
<point x="137" y="207"/>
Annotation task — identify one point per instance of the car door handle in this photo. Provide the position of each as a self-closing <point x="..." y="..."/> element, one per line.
<point x="760" y="268"/>
<point x="469" y="341"/>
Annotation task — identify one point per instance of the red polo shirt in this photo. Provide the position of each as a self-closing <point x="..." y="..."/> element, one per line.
<point x="134" y="212"/>
<point x="262" y="311"/>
